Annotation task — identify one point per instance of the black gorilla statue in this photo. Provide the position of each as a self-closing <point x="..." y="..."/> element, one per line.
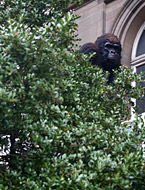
<point x="107" y="49"/>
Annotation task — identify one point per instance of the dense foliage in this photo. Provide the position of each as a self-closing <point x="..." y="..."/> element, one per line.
<point x="61" y="125"/>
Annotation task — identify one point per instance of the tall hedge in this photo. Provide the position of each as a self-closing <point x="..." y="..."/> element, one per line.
<point x="61" y="125"/>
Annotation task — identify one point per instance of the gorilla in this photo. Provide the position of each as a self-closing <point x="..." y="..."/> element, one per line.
<point x="107" y="49"/>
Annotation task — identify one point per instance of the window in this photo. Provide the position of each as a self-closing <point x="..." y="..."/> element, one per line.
<point x="138" y="61"/>
<point x="140" y="103"/>
<point x="141" y="45"/>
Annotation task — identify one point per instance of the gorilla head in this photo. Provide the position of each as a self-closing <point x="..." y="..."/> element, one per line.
<point x="110" y="51"/>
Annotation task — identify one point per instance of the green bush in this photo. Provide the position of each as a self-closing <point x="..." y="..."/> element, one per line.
<point x="61" y="125"/>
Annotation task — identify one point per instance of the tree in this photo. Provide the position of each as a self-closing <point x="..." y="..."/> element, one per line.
<point x="61" y="125"/>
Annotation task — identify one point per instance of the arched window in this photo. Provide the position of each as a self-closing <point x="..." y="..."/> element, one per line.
<point x="138" y="61"/>
<point x="141" y="45"/>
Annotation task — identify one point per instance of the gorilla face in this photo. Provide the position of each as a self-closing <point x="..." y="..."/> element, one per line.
<point x="113" y="50"/>
<point x="111" y="55"/>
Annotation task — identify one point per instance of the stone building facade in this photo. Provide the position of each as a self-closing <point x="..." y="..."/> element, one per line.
<point x="125" y="19"/>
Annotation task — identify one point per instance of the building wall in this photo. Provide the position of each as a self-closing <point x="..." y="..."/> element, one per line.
<point x="90" y="24"/>
<point x="97" y="18"/>
<point x="112" y="11"/>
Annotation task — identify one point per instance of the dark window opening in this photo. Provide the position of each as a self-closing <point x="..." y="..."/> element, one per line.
<point x="141" y="45"/>
<point x="141" y="103"/>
